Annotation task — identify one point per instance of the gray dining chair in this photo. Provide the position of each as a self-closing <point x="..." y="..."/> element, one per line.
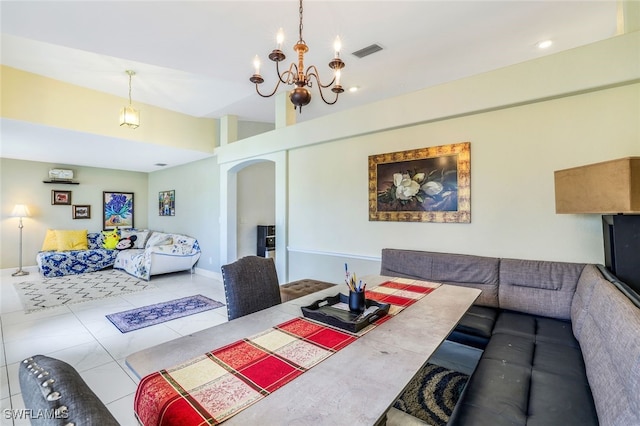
<point x="250" y="285"/>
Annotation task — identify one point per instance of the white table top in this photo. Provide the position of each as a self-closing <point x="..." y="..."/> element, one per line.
<point x="356" y="385"/>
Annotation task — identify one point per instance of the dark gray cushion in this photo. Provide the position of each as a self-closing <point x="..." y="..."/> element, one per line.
<point x="531" y="373"/>
<point x="608" y="336"/>
<point x="538" y="287"/>
<point x="55" y="389"/>
<point x="475" y="327"/>
<point x="459" y="269"/>
<point x="250" y="285"/>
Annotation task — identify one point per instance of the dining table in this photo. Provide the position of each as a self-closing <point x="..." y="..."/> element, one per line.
<point x="357" y="384"/>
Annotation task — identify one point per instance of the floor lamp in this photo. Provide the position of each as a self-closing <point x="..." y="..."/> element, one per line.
<point x="20" y="210"/>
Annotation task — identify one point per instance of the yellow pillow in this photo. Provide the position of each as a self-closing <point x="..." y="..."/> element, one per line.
<point x="50" y="243"/>
<point x="72" y="240"/>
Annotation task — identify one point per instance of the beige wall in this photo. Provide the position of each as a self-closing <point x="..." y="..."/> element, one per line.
<point x="37" y="99"/>
<point x="21" y="183"/>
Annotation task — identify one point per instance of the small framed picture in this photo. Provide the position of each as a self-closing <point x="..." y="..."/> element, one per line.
<point x="167" y="203"/>
<point x="81" y="212"/>
<point x="60" y="197"/>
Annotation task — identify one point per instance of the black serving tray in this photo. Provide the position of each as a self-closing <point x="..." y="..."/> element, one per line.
<point x="324" y="311"/>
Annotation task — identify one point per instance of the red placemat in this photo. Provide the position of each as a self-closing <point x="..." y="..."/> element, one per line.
<point x="215" y="386"/>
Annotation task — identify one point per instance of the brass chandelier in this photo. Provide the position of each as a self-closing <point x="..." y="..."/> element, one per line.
<point x="297" y="75"/>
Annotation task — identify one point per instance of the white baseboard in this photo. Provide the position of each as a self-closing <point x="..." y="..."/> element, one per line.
<point x="33" y="270"/>
<point x="334" y="254"/>
<point x="209" y="274"/>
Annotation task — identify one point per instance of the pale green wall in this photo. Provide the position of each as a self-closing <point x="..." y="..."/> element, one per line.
<point x="21" y="183"/>
<point x="521" y="123"/>
<point x="197" y="206"/>
<point x="514" y="153"/>
<point x="524" y="122"/>
<point x="247" y="129"/>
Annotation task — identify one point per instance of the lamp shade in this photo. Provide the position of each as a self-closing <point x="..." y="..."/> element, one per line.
<point x="610" y="187"/>
<point x="129" y="116"/>
<point x="20" y="210"/>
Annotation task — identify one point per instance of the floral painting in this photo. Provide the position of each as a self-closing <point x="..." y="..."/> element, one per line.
<point x="118" y="210"/>
<point x="422" y="185"/>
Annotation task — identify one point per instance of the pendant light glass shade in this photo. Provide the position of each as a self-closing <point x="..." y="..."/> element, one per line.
<point x="129" y="116"/>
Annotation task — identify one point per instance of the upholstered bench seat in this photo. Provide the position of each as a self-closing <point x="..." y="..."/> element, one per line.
<point x="475" y="327"/>
<point x="564" y="348"/>
<point x="531" y="372"/>
<point x="300" y="288"/>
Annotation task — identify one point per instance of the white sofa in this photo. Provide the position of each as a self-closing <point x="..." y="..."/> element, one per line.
<point x="158" y="253"/>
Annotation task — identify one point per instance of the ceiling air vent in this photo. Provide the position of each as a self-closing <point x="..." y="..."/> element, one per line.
<point x="366" y="51"/>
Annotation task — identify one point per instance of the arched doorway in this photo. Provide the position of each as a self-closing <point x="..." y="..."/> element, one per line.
<point x="229" y="209"/>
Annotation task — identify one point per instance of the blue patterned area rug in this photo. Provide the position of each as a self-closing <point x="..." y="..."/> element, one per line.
<point x="145" y="316"/>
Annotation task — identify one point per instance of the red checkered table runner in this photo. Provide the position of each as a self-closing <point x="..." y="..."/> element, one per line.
<point x="217" y="385"/>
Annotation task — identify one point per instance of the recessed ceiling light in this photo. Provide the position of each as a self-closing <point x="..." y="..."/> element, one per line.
<point x="544" y="44"/>
<point x="160" y="164"/>
<point x="353" y="89"/>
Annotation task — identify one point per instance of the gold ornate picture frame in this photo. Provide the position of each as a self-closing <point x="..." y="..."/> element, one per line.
<point x="421" y="185"/>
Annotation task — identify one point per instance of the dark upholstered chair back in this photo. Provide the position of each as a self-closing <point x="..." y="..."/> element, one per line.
<point x="56" y="395"/>
<point x="250" y="285"/>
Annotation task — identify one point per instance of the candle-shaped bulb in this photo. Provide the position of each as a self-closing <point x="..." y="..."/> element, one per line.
<point x="337" y="46"/>
<point x="279" y="38"/>
<point x="256" y="65"/>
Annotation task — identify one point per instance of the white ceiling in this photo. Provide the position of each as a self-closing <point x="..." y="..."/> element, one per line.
<point x="195" y="57"/>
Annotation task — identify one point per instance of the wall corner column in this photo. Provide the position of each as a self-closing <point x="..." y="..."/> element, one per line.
<point x="228" y="129"/>
<point x="628" y="17"/>
<point x="285" y="111"/>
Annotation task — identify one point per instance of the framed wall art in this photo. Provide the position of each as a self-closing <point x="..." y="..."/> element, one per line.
<point x="81" y="212"/>
<point x="117" y="210"/>
<point x="167" y="203"/>
<point x="62" y="198"/>
<point x="421" y="185"/>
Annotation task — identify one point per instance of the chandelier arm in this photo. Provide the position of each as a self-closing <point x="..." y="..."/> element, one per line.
<point x="313" y="71"/>
<point x="290" y="74"/>
<point x="320" y="87"/>
<point x="275" y="89"/>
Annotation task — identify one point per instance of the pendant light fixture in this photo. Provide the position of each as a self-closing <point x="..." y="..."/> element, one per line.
<point x="129" y="116"/>
<point x="297" y="75"/>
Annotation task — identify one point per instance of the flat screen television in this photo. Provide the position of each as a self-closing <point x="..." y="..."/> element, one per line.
<point x="622" y="248"/>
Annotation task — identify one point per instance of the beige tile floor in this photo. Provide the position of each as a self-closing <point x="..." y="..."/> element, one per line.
<point x="82" y="336"/>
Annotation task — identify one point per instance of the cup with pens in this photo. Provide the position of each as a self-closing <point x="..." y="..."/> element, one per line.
<point x="356" y="291"/>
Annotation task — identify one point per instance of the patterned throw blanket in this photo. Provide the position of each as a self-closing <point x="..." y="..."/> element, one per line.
<point x="217" y="385"/>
